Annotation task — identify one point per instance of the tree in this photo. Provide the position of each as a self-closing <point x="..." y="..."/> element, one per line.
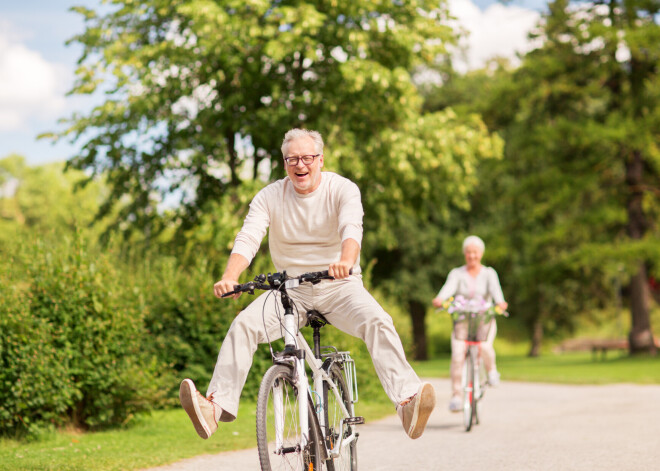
<point x="40" y="198"/>
<point x="418" y="176"/>
<point x="581" y="175"/>
<point x="200" y="92"/>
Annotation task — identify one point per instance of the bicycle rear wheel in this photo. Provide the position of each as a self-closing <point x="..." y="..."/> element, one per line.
<point x="279" y="436"/>
<point x="347" y="460"/>
<point x="469" y="404"/>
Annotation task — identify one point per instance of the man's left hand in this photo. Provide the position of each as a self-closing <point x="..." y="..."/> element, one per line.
<point x="340" y="270"/>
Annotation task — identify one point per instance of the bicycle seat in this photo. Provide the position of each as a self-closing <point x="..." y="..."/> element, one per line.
<point x="316" y="319"/>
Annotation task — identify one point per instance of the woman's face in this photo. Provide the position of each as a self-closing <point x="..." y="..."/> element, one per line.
<point x="473" y="256"/>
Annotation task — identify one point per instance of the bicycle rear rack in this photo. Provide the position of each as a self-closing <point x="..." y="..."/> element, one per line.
<point x="348" y="364"/>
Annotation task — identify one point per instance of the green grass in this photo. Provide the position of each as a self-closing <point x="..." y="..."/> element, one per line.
<point x="569" y="368"/>
<point x="160" y="438"/>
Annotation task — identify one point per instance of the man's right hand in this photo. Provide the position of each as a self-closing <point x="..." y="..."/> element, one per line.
<point x="225" y="286"/>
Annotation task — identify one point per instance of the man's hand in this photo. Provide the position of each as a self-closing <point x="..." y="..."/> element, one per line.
<point x="437" y="302"/>
<point x="225" y="286"/>
<point x="340" y="270"/>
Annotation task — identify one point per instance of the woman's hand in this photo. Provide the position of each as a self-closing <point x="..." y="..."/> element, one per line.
<point x="437" y="302"/>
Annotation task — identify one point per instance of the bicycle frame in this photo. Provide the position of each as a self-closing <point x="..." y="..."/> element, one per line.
<point x="319" y="376"/>
<point x="315" y="362"/>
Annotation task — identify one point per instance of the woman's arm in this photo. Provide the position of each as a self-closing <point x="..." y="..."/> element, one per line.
<point x="448" y="289"/>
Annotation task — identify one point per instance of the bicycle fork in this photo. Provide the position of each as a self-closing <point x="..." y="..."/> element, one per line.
<point x="298" y="359"/>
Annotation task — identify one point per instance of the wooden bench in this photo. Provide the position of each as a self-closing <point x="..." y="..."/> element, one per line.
<point x="593" y="344"/>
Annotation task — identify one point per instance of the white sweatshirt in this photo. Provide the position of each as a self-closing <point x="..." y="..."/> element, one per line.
<point x="306" y="231"/>
<point x="486" y="285"/>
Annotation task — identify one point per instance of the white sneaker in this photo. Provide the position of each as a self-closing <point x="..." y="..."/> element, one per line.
<point x="415" y="412"/>
<point x="493" y="378"/>
<point x="455" y="404"/>
<point x="204" y="414"/>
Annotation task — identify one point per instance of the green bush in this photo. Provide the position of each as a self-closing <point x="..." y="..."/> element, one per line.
<point x="74" y="347"/>
<point x="35" y="389"/>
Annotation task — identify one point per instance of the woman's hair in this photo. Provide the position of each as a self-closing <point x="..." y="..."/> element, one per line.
<point x="297" y="133"/>
<point x="474" y="240"/>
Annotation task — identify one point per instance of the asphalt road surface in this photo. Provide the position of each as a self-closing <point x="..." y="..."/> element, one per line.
<point x="524" y="426"/>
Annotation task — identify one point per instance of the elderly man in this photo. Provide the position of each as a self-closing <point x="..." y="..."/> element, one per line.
<point x="315" y="223"/>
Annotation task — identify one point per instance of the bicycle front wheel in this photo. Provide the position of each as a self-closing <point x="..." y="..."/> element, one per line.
<point x="279" y="436"/>
<point x="334" y="416"/>
<point x="468" y="392"/>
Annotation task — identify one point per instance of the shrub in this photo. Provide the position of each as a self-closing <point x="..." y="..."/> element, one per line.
<point x="74" y="341"/>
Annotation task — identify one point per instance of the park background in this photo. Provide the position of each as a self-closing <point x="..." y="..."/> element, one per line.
<point x="112" y="237"/>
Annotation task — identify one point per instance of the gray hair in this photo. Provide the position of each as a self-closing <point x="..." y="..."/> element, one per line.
<point x="474" y="240"/>
<point x="297" y="133"/>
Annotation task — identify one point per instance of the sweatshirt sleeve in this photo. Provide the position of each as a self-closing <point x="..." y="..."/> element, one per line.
<point x="450" y="287"/>
<point x="254" y="228"/>
<point x="350" y="213"/>
<point x="494" y="287"/>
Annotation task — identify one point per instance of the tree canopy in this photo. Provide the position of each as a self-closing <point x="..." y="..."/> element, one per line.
<point x="199" y="93"/>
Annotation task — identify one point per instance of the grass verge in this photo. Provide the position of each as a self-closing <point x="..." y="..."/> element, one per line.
<point x="156" y="439"/>
<point x="569" y="368"/>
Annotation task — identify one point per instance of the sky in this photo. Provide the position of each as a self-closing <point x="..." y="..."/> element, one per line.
<point x="37" y="67"/>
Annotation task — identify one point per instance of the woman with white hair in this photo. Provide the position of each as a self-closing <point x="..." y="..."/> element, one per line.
<point x="472" y="280"/>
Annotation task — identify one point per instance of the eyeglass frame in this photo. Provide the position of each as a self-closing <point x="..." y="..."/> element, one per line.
<point x="299" y="158"/>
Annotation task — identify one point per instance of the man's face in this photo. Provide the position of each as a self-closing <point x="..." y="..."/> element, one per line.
<point x="305" y="177"/>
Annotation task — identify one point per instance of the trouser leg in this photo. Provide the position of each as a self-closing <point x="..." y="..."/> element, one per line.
<point x="458" y="350"/>
<point x="349" y="307"/>
<point x="257" y="323"/>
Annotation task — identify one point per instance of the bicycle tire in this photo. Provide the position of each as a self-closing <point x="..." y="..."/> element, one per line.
<point x="289" y="455"/>
<point x="468" y="392"/>
<point x="333" y="415"/>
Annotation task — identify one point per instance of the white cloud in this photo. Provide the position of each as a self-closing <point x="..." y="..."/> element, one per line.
<point x="498" y="31"/>
<point x="30" y="86"/>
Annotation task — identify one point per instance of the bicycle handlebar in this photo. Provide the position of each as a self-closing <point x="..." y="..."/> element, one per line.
<point x="275" y="281"/>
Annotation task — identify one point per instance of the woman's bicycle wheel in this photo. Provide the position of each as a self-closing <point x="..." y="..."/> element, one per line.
<point x="347" y="461"/>
<point x="278" y="425"/>
<point x="469" y="403"/>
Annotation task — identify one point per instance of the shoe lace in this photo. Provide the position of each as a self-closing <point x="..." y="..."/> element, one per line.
<point x="215" y="405"/>
<point x="407" y="401"/>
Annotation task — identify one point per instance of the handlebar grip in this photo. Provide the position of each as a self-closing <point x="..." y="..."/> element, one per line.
<point x="237" y="289"/>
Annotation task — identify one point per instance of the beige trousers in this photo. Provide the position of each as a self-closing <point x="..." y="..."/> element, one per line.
<point x="346" y="304"/>
<point x="458" y="349"/>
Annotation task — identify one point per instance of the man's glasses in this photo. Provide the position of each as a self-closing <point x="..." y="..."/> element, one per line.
<point x="306" y="159"/>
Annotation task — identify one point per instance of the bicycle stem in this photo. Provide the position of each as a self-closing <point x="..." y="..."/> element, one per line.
<point x="290" y="328"/>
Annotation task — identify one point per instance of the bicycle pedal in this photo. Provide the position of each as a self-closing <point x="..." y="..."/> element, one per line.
<point x="354" y="421"/>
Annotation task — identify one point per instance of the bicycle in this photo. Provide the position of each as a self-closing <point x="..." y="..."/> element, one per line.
<point x="472" y="323"/>
<point x="303" y="427"/>
<point x="473" y="330"/>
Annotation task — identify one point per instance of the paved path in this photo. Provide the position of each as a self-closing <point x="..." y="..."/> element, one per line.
<point x="524" y="426"/>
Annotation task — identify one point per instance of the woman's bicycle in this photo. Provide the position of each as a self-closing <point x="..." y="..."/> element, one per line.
<point x="473" y="320"/>
<point x="303" y="426"/>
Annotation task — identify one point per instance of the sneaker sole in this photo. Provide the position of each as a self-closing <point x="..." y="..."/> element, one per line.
<point x="189" y="402"/>
<point x="423" y="408"/>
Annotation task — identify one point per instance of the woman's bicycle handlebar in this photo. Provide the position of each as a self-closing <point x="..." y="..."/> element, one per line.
<point x="274" y="281"/>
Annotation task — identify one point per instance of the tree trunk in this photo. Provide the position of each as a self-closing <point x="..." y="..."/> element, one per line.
<point x="537" y="338"/>
<point x="418" y="314"/>
<point x="640" y="337"/>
